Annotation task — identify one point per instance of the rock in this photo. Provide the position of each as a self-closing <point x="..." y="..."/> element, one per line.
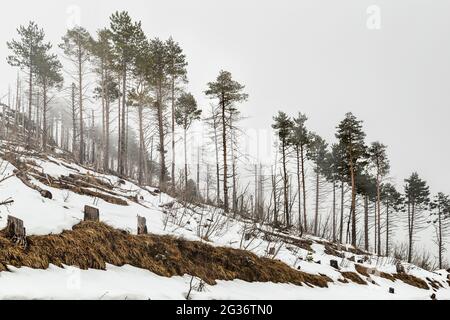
<point x="334" y="264"/>
<point x="360" y="261"/>
<point x="433" y="296"/>
<point x="46" y="194"/>
<point x="248" y="236"/>
<point x="299" y="268"/>
<point x="391" y="290"/>
<point x="319" y="262"/>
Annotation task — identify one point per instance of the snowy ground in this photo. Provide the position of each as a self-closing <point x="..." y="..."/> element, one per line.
<point x="43" y="216"/>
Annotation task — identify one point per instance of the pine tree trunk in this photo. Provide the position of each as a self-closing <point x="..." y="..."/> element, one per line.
<point x="299" y="190"/>
<point x="173" y="132"/>
<point x="225" y="167"/>
<point x="185" y="157"/>
<point x="285" y="185"/>
<point x="353" y="205"/>
<point x="302" y="158"/>
<point x="316" y="218"/>
<point x="141" y="145"/>
<point x="107" y="114"/>
<point x="379" y="212"/>
<point x="123" y="136"/>
<point x="341" y="227"/>
<point x="80" y="93"/>
<point x="74" y="122"/>
<point x="44" y="111"/>
<point x="334" y="211"/>
<point x="387" y="229"/>
<point x="162" y="151"/>
<point x="366" y="223"/>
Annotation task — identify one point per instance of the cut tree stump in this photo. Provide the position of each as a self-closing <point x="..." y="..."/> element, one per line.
<point x="399" y="267"/>
<point x="16" y="231"/>
<point x="272" y="251"/>
<point x="334" y="264"/>
<point x="142" y="225"/>
<point x="91" y="214"/>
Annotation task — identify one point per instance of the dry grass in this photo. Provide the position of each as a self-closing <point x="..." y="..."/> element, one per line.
<point x="93" y="245"/>
<point x="354" y="277"/>
<point x="411" y="280"/>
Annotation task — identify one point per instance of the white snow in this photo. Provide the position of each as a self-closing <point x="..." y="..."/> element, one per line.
<point x="43" y="216"/>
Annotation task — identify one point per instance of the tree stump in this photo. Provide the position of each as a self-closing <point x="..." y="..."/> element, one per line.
<point x="399" y="267"/>
<point x="16" y="231"/>
<point x="391" y="290"/>
<point x="91" y="214"/>
<point x="272" y="251"/>
<point x="334" y="264"/>
<point x="142" y="225"/>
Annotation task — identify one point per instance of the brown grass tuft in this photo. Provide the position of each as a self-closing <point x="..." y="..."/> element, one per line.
<point x="411" y="280"/>
<point x="93" y="245"/>
<point x="354" y="277"/>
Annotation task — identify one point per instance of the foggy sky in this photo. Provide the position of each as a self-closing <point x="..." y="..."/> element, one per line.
<point x="317" y="57"/>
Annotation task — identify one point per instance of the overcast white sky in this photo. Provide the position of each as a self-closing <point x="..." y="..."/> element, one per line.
<point x="318" y="57"/>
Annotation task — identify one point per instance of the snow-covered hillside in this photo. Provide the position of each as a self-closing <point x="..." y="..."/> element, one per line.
<point x="358" y="275"/>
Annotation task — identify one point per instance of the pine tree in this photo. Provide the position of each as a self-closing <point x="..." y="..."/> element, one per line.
<point x="228" y="93"/>
<point x="49" y="76"/>
<point x="417" y="199"/>
<point x="159" y="79"/>
<point x="186" y="112"/>
<point x="25" y="55"/>
<point x="440" y="218"/>
<point x="127" y="38"/>
<point x="283" y="126"/>
<point x="317" y="152"/>
<point x="380" y="162"/>
<point x="76" y="46"/>
<point x="393" y="201"/>
<point x="351" y="137"/>
<point x="177" y="72"/>
<point x="102" y="50"/>
<point x="299" y="139"/>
